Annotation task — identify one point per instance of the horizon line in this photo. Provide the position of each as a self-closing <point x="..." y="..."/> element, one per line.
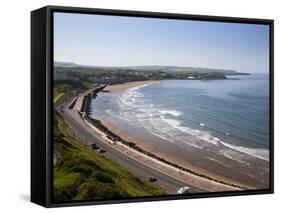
<point x="150" y="65"/>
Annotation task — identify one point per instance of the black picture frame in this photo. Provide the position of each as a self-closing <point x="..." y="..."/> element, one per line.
<point x="42" y="105"/>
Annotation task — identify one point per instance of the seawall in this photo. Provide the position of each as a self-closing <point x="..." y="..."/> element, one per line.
<point x="82" y="102"/>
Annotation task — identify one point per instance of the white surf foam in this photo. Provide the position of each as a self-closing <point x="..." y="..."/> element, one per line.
<point x="148" y="113"/>
<point x="171" y="112"/>
<point x="139" y="87"/>
<point x="193" y="132"/>
<point x="206" y="137"/>
<point x="168" y="133"/>
<point x="258" y="152"/>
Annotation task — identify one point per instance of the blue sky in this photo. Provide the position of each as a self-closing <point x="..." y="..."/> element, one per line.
<point x="129" y="41"/>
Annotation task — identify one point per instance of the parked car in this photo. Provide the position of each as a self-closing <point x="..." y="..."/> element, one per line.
<point x="183" y="190"/>
<point x="152" y="179"/>
<point x="94" y="146"/>
<point x="101" y="151"/>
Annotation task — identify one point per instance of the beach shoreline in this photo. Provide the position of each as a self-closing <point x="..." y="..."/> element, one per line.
<point x="148" y="146"/>
<point x="127" y="85"/>
<point x="144" y="157"/>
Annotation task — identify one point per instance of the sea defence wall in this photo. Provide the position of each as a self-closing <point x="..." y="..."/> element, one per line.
<point x="83" y="101"/>
<point x="79" y="103"/>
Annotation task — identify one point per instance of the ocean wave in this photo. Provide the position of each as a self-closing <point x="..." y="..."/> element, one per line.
<point x="255" y="152"/>
<point x="165" y="132"/>
<point x="174" y="113"/>
<point x="193" y="132"/>
<point x="139" y="87"/>
<point x="163" y="127"/>
<point x="131" y="98"/>
<point x="206" y="137"/>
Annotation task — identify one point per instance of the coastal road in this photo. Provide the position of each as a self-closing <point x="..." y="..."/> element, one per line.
<point x="167" y="182"/>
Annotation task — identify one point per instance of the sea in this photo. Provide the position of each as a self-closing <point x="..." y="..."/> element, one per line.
<point x="229" y="117"/>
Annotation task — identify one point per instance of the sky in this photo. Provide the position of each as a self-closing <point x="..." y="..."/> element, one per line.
<point x="132" y="41"/>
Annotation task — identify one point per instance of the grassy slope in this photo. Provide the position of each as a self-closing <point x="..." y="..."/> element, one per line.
<point x="82" y="174"/>
<point x="58" y="97"/>
<point x="64" y="88"/>
<point x="61" y="92"/>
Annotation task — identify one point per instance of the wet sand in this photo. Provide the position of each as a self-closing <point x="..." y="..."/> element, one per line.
<point x="213" y="166"/>
<point x="210" y="164"/>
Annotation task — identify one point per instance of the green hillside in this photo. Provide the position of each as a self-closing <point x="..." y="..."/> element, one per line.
<point x="65" y="88"/>
<point x="82" y="174"/>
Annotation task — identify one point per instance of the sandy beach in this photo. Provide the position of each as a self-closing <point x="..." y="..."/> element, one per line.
<point x="120" y="87"/>
<point x="213" y="166"/>
<point x="195" y="160"/>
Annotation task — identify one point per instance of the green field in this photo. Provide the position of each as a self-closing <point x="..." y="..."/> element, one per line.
<point x="60" y="93"/>
<point x="65" y="88"/>
<point x="81" y="173"/>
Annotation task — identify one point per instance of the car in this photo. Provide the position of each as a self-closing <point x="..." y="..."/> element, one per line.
<point x="94" y="146"/>
<point x="183" y="190"/>
<point x="111" y="138"/>
<point x="152" y="179"/>
<point x="101" y="151"/>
